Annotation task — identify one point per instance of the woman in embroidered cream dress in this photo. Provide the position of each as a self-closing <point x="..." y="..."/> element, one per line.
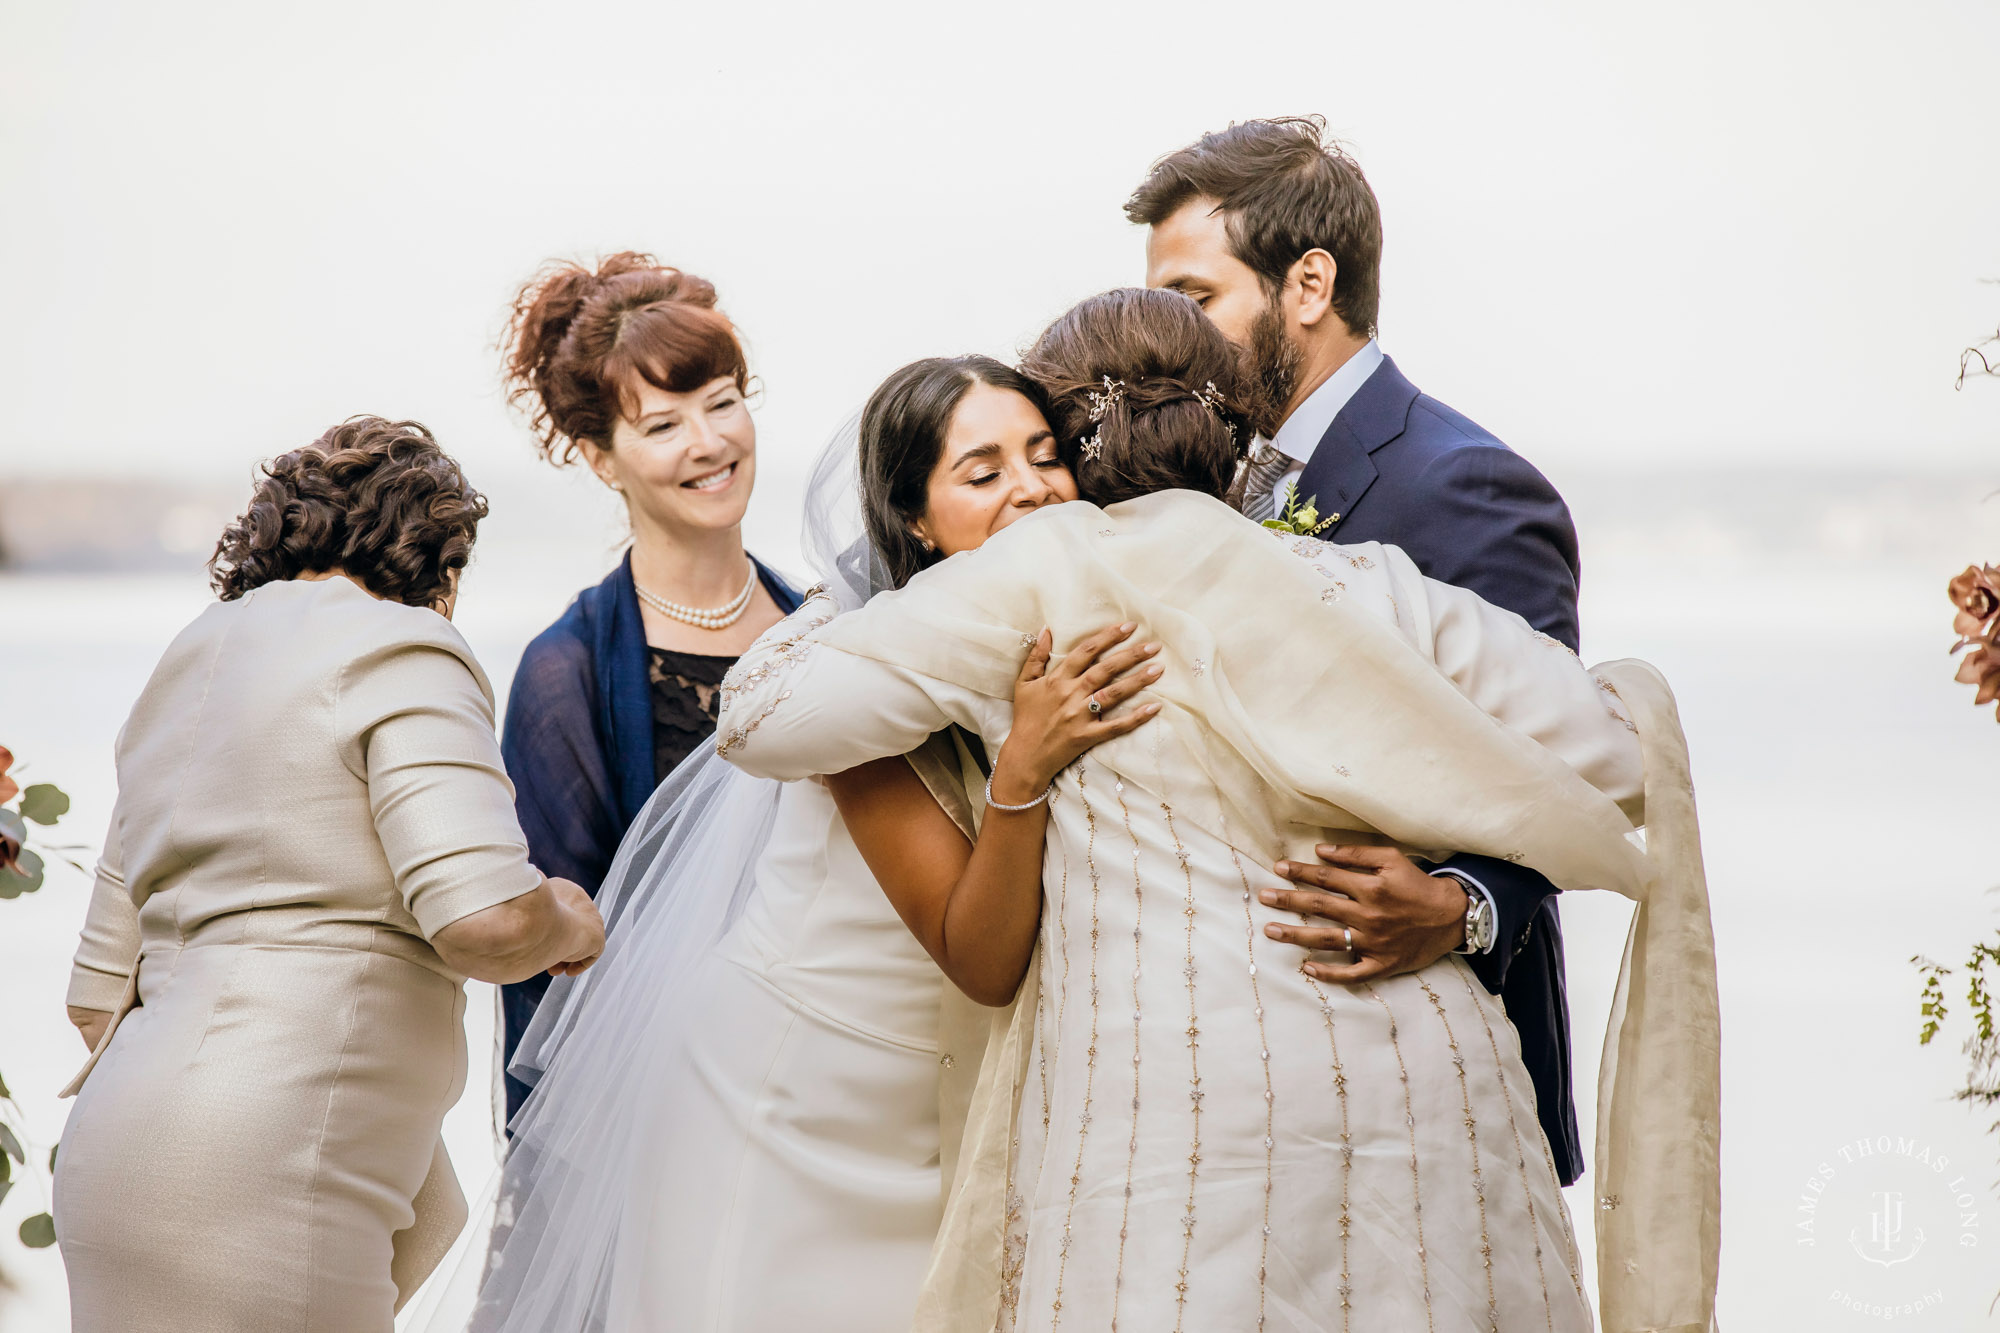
<point x="746" y="1121"/>
<point x="1150" y="1143"/>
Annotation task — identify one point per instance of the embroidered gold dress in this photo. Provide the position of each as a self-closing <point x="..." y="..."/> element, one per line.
<point x="1203" y="1137"/>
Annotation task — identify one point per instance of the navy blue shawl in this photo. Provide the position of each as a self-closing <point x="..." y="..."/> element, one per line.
<point x="578" y="744"/>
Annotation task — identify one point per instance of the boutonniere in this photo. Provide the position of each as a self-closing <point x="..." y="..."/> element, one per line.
<point x="1300" y="517"/>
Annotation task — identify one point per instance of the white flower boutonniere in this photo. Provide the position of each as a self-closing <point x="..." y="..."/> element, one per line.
<point x="1300" y="517"/>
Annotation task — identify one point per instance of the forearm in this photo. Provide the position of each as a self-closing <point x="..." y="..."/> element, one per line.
<point x="988" y="930"/>
<point x="513" y="940"/>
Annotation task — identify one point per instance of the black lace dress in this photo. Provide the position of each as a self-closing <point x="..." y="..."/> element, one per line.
<point x="685" y="703"/>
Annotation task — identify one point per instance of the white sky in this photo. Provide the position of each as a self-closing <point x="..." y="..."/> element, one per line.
<point x="1625" y="236"/>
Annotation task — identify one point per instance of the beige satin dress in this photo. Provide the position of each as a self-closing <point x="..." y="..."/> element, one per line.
<point x="310" y="788"/>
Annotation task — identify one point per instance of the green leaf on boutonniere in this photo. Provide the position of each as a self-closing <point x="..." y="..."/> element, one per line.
<point x="38" y="1232"/>
<point x="1300" y="517"/>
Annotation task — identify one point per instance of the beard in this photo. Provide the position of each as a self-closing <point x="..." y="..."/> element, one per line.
<point x="1274" y="367"/>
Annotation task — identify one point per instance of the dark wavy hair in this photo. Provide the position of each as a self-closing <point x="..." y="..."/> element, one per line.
<point x="374" y="499"/>
<point x="1158" y="433"/>
<point x="581" y="339"/>
<point x="902" y="434"/>
<point x="1285" y="188"/>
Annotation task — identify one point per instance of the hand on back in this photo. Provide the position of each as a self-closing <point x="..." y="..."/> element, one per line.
<point x="1054" y="722"/>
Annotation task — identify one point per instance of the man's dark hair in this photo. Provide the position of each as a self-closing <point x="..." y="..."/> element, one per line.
<point x="1284" y="189"/>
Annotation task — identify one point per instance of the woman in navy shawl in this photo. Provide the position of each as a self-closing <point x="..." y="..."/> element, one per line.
<point x="632" y="370"/>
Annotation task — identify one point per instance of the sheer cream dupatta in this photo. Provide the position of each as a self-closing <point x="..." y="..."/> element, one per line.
<point x="1309" y="713"/>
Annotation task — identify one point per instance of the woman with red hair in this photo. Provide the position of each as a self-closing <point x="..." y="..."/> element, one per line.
<point x="631" y="370"/>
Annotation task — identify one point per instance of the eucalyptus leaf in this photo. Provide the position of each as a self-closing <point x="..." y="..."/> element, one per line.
<point x="38" y="1232"/>
<point x="25" y="877"/>
<point x="6" y="1168"/>
<point x="44" y="803"/>
<point x="11" y="1145"/>
<point x="13" y="826"/>
<point x="6" y="1188"/>
<point x="4" y="1094"/>
<point x="52" y="1157"/>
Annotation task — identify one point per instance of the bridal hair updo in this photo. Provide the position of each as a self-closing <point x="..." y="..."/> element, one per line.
<point x="1177" y="411"/>
<point x="376" y="500"/>
<point x="581" y="339"/>
<point x="903" y="429"/>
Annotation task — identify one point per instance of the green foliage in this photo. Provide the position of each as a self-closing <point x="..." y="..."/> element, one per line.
<point x="22" y="870"/>
<point x="1300" y="518"/>
<point x="1982" y="1046"/>
<point x="44" y="803"/>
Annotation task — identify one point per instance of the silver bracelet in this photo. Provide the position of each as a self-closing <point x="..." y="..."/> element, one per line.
<point x="992" y="804"/>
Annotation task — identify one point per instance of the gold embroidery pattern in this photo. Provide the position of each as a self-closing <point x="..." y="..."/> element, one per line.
<point x="1416" y="1178"/>
<point x="1346" y="1156"/>
<point x="759" y="665"/>
<point x="1614" y="704"/>
<point x="1521" y="1160"/>
<point x="1138" y="956"/>
<point x="1472" y="1138"/>
<point x="1090" y="1063"/>
<point x="1263" y="1045"/>
<point x="740" y="735"/>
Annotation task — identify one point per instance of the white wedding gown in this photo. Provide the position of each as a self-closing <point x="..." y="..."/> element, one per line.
<point x="1205" y="1138"/>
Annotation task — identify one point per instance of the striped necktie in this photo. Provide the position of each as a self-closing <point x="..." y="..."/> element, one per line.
<point x="1261" y="475"/>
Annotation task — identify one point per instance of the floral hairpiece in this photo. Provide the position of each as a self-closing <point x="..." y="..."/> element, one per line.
<point x="1211" y="398"/>
<point x="1101" y="402"/>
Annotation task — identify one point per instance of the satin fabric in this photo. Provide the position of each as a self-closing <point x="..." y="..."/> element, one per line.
<point x="309" y="789"/>
<point x="1313" y="691"/>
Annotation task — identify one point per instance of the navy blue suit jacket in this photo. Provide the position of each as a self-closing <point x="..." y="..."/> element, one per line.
<point x="1400" y="467"/>
<point x="578" y="744"/>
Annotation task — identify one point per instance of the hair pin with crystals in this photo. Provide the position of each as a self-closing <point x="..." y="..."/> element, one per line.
<point x="1211" y="398"/>
<point x="1101" y="402"/>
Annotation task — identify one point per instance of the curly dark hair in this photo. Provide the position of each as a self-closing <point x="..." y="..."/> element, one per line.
<point x="1157" y="433"/>
<point x="376" y="500"/>
<point x="580" y="340"/>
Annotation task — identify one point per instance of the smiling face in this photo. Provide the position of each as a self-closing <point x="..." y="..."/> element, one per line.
<point x="998" y="464"/>
<point x="682" y="460"/>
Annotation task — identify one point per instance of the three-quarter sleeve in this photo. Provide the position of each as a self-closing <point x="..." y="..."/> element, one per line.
<point x="417" y="725"/>
<point x="109" y="949"/>
<point x="784" y="719"/>
<point x="1534" y="684"/>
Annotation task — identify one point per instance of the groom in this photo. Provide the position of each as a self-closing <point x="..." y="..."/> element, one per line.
<point x="1279" y="238"/>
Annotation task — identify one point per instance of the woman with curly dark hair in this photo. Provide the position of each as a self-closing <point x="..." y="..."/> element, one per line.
<point x="630" y="369"/>
<point x="314" y="845"/>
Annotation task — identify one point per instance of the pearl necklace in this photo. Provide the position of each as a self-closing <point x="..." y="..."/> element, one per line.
<point x="721" y="617"/>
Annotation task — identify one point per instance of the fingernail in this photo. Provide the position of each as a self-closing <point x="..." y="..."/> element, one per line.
<point x="1274" y="932"/>
<point x="1151" y="709"/>
<point x="1283" y="870"/>
<point x="1153" y="672"/>
<point x="1268" y="897"/>
<point x="1127" y="627"/>
<point x="1150" y="649"/>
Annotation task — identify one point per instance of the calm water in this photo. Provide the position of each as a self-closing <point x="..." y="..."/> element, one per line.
<point x="1846" y="825"/>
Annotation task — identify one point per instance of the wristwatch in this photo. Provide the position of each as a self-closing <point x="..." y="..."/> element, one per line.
<point x="1480" y="927"/>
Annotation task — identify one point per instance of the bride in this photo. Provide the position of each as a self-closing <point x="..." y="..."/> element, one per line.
<point x="1134" y="1150"/>
<point x="747" y="1118"/>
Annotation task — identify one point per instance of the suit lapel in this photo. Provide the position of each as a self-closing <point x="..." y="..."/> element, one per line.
<point x="1341" y="470"/>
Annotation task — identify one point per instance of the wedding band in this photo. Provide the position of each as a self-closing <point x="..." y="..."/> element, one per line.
<point x="1094" y="706"/>
<point x="1348" y="942"/>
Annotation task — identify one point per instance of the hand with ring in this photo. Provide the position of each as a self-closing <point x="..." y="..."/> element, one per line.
<point x="1061" y="711"/>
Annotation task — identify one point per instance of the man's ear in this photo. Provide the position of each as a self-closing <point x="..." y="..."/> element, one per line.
<point x="1313" y="274"/>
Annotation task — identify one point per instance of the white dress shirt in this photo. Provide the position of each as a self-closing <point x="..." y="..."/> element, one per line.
<point x="1303" y="429"/>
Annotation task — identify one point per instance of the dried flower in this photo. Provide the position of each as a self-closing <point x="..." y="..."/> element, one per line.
<point x="1976" y="594"/>
<point x="9" y="788"/>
